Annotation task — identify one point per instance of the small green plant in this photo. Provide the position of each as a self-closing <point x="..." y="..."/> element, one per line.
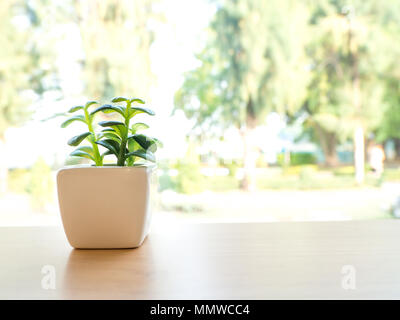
<point x="119" y="138"/>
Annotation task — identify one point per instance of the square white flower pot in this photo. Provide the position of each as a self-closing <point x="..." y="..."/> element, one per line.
<point x="105" y="207"/>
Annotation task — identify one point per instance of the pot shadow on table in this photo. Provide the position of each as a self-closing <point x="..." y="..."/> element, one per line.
<point x="162" y="268"/>
<point x="108" y="273"/>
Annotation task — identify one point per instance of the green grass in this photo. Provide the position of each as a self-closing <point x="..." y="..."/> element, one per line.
<point x="220" y="184"/>
<point x="307" y="178"/>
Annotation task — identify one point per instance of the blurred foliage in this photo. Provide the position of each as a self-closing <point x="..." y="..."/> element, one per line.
<point x="27" y="68"/>
<point x="297" y="158"/>
<point x="332" y="64"/>
<point x="232" y="165"/>
<point x="299" y="169"/>
<point x="19" y="180"/>
<point x="37" y="181"/>
<point x="116" y="37"/>
<point x="189" y="179"/>
<point x="249" y="54"/>
<point x="391" y="175"/>
<point x="41" y="184"/>
<point x="24" y="69"/>
<point x="346" y="88"/>
<point x="344" y="171"/>
<point x="165" y="181"/>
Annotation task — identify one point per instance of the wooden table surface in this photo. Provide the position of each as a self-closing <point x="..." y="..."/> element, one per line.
<point x="295" y="260"/>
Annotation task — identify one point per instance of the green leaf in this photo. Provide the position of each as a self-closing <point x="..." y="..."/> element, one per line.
<point x="76" y="108"/>
<point x="89" y="103"/>
<point x="110" y="135"/>
<point x="130" y="161"/>
<point x="70" y="120"/>
<point x="82" y="154"/>
<point x="138" y="126"/>
<point x="158" y="142"/>
<point x="111" y="123"/>
<point x="137" y="110"/>
<point x="147" y="155"/>
<point x="109" y="108"/>
<point x="132" y="145"/>
<point x="137" y="100"/>
<point x="108" y="130"/>
<point x="119" y="99"/>
<point x="110" y="144"/>
<point x="144" y="141"/>
<point x="75" y="141"/>
<point x="87" y="149"/>
<point x="118" y="126"/>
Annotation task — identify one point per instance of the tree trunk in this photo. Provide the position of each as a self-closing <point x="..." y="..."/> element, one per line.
<point x="328" y="142"/>
<point x="359" y="154"/>
<point x="249" y="161"/>
<point x="359" y="134"/>
<point x="3" y="168"/>
<point x="250" y="152"/>
<point x="397" y="148"/>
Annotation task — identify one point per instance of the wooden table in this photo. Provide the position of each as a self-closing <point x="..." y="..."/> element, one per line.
<point x="297" y="260"/>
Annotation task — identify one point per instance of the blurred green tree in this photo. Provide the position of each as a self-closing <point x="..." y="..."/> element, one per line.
<point x="255" y="62"/>
<point x="116" y="37"/>
<point x="390" y="126"/>
<point x="323" y="60"/>
<point x="41" y="184"/>
<point x="350" y="51"/>
<point x="23" y="66"/>
<point x="189" y="179"/>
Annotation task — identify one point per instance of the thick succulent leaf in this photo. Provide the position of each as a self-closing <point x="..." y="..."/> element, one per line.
<point x="147" y="155"/>
<point x="130" y="161"/>
<point x="145" y="142"/>
<point x="158" y="142"/>
<point x="87" y="149"/>
<point x="75" y="141"/>
<point x="89" y="103"/>
<point x="82" y="154"/>
<point x="70" y="120"/>
<point x="133" y="145"/>
<point x="76" y="108"/>
<point x="108" y="108"/>
<point x="119" y="99"/>
<point x="109" y="144"/>
<point x="108" y="130"/>
<point x="137" y="100"/>
<point x="138" y="126"/>
<point x="118" y="126"/>
<point x="110" y="135"/>
<point x="137" y="110"/>
<point x="111" y="123"/>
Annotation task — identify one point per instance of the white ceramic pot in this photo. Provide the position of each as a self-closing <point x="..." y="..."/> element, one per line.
<point x="105" y="207"/>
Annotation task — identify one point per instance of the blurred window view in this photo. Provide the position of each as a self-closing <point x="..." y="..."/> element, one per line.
<point x="273" y="110"/>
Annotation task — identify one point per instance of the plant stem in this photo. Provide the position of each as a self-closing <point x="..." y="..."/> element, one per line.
<point x="97" y="157"/>
<point x="121" y="155"/>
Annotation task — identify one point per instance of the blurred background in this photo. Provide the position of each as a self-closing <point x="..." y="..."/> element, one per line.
<point x="275" y="110"/>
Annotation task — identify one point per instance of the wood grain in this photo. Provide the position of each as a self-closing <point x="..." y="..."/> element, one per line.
<point x="295" y="260"/>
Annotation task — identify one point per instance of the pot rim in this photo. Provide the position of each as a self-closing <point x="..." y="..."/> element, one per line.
<point x="148" y="167"/>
